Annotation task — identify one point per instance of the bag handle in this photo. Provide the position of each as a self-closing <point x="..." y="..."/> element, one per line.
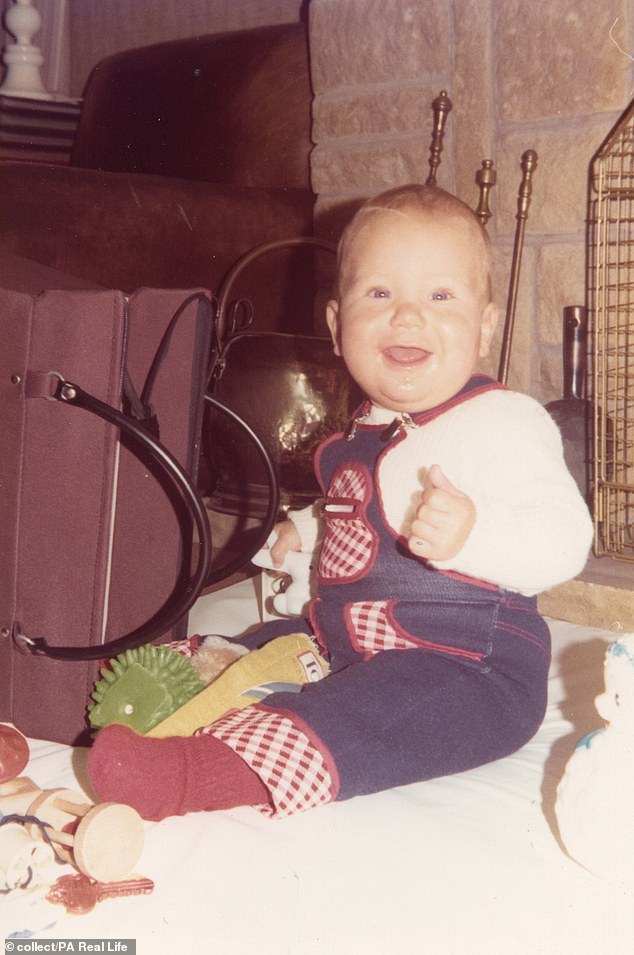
<point x="163" y="349"/>
<point x="183" y="598"/>
<point x="229" y="280"/>
<point x="225" y="326"/>
<point x="273" y="507"/>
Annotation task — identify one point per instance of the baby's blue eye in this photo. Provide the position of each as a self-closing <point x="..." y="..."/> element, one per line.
<point x="379" y="293"/>
<point x="442" y="295"/>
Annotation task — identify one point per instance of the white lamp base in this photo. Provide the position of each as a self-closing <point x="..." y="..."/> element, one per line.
<point x="22" y="59"/>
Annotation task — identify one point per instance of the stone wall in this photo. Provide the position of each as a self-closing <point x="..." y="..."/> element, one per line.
<point x="545" y="76"/>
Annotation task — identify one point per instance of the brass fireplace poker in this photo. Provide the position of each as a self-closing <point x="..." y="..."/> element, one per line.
<point x="528" y="164"/>
<point x="486" y="178"/>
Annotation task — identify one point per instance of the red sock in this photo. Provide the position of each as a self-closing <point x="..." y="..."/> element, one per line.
<point x="170" y="777"/>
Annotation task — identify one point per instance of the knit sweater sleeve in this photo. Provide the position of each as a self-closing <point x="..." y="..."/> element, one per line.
<point x="533" y="529"/>
<point x="308" y="525"/>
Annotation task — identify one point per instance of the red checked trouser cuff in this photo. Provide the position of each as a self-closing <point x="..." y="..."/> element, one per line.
<point x="283" y="752"/>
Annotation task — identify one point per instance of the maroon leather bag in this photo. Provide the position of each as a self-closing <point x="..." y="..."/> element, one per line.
<point x="101" y="403"/>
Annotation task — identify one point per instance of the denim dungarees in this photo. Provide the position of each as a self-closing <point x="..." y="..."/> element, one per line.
<point x="432" y="673"/>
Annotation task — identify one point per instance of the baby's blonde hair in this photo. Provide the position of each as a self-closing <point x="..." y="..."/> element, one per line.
<point x="429" y="201"/>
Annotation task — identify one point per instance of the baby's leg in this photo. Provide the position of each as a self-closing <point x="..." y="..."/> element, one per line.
<point x="400" y="717"/>
<point x="170" y="777"/>
<point x="179" y="774"/>
<point x="408" y="715"/>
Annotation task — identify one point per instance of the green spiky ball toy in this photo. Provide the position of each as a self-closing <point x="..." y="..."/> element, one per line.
<point x="141" y="687"/>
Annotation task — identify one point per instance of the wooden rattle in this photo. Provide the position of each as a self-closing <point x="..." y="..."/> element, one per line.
<point x="17" y="795"/>
<point x="103" y="841"/>
<point x="23" y="859"/>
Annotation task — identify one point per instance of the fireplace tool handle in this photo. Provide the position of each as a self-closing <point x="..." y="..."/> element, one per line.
<point x="486" y="178"/>
<point x="528" y="164"/>
<point x="442" y="107"/>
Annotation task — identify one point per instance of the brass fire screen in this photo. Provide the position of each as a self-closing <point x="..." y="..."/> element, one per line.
<point x="610" y="283"/>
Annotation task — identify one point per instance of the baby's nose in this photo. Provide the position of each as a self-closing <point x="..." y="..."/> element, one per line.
<point x="408" y="313"/>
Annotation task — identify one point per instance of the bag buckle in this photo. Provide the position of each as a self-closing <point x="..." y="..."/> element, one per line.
<point x="26" y="645"/>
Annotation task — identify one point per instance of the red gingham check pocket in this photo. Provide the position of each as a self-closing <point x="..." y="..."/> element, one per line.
<point x="347" y="550"/>
<point x="349" y="545"/>
<point x="372" y="631"/>
<point x="374" y="626"/>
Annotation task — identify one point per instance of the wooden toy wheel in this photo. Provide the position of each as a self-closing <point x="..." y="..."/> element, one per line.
<point x="108" y="842"/>
<point x="60" y="808"/>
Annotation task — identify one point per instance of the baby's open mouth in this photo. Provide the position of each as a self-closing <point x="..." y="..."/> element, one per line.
<point x="405" y="354"/>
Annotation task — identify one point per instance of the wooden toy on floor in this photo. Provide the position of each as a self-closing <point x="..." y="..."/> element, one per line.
<point x="16" y="795"/>
<point x="22" y="858"/>
<point x="103" y="841"/>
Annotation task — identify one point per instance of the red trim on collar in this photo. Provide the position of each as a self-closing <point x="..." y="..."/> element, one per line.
<point x="477" y="385"/>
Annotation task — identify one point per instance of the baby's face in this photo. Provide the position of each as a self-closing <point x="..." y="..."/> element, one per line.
<point x="413" y="315"/>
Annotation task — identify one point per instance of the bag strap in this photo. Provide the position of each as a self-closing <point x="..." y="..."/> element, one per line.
<point x="54" y="386"/>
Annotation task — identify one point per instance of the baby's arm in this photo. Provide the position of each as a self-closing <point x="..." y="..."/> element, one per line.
<point x="532" y="529"/>
<point x="509" y="512"/>
<point x="300" y="532"/>
<point x="443" y="521"/>
<point x="287" y="540"/>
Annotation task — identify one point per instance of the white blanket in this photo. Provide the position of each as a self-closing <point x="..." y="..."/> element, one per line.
<point x="466" y="864"/>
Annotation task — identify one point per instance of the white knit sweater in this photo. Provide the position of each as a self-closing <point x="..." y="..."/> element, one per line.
<point x="532" y="530"/>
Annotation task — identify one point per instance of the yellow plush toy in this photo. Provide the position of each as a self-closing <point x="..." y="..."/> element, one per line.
<point x="286" y="663"/>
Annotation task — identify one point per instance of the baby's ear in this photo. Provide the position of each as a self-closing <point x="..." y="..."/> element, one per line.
<point x="488" y="324"/>
<point x="332" y="320"/>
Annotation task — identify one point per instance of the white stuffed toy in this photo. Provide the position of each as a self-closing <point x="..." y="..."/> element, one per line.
<point x="290" y="601"/>
<point x="595" y="798"/>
